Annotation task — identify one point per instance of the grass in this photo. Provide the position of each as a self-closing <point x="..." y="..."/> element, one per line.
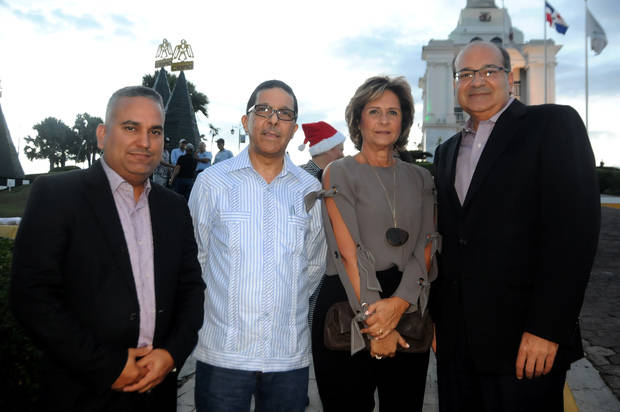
<point x="13" y="203"/>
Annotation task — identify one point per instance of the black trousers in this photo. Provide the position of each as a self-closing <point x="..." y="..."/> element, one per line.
<point x="348" y="383"/>
<point x="462" y="388"/>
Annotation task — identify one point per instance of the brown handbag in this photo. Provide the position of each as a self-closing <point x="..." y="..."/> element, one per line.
<point x="415" y="329"/>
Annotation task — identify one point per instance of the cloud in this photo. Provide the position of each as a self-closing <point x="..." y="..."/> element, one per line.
<point x="571" y="81"/>
<point x="33" y="16"/>
<point x="386" y="51"/>
<point x="84" y="22"/>
<point x="123" y="32"/>
<point x="55" y="20"/>
<point x="379" y="49"/>
<point x="120" y="20"/>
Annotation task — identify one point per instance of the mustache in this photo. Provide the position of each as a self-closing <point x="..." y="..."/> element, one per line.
<point x="480" y="89"/>
<point x="271" y="130"/>
<point x="141" y="152"/>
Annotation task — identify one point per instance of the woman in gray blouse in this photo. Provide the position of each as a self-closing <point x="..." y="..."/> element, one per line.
<point x="379" y="223"/>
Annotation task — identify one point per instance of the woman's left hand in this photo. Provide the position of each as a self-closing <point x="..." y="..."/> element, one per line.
<point x="384" y="315"/>
<point x="387" y="347"/>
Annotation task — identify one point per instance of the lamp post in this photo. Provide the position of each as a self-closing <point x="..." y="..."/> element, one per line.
<point x="239" y="130"/>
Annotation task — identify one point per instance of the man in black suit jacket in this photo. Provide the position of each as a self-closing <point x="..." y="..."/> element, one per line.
<point x="105" y="275"/>
<point x="519" y="214"/>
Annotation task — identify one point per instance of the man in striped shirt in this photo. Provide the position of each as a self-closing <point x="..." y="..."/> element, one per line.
<point x="262" y="253"/>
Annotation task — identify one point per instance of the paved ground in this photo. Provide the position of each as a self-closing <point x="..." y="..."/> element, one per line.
<point x="600" y="315"/>
<point x="594" y="380"/>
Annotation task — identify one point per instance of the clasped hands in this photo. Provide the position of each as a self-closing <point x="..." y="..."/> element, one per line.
<point x="145" y="368"/>
<point x="382" y="318"/>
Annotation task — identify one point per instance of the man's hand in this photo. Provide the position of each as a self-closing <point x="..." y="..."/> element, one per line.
<point x="132" y="371"/>
<point x="158" y="364"/>
<point x="387" y="346"/>
<point x="384" y="315"/>
<point x="536" y="356"/>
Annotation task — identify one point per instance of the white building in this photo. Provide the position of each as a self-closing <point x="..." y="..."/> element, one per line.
<point x="480" y="20"/>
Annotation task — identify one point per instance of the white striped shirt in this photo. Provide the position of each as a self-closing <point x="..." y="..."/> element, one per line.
<point x="262" y="255"/>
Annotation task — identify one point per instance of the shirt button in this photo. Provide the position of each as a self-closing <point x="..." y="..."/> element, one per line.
<point x="479" y="145"/>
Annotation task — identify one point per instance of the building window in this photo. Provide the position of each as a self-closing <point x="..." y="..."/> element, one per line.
<point x="459" y="116"/>
<point x="516" y="89"/>
<point x="497" y="41"/>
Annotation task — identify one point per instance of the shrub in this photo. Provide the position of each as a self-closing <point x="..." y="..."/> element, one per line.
<point x="19" y="360"/>
<point x="428" y="166"/>
<point x="64" y="169"/>
<point x="609" y="180"/>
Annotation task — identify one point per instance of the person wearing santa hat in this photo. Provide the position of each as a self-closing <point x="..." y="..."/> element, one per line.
<point x="326" y="145"/>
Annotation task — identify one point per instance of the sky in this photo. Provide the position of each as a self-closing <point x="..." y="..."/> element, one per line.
<point x="64" y="57"/>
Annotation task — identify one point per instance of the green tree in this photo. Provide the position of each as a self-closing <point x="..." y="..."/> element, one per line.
<point x="85" y="127"/>
<point x="213" y="131"/>
<point x="55" y="141"/>
<point x="200" y="101"/>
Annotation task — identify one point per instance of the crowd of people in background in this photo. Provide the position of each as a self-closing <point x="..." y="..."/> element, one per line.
<point x="363" y="263"/>
<point x="179" y="168"/>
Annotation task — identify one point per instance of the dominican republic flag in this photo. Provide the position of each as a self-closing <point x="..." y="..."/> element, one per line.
<point x="554" y="19"/>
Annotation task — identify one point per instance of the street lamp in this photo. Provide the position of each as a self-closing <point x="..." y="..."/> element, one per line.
<point x="241" y="136"/>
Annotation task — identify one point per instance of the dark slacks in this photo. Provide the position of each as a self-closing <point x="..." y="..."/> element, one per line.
<point x="462" y="388"/>
<point x="348" y="383"/>
<point x="183" y="186"/>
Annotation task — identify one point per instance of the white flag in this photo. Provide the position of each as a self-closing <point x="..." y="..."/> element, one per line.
<point x="598" y="38"/>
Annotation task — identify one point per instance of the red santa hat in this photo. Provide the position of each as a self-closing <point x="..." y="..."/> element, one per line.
<point x="322" y="137"/>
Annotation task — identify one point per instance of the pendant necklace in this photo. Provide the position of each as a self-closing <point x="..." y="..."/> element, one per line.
<point x="394" y="236"/>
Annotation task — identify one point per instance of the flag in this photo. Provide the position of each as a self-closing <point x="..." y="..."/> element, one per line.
<point x="554" y="19"/>
<point x="598" y="38"/>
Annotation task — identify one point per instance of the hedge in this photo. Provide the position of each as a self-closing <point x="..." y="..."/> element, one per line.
<point x="609" y="180"/>
<point x="20" y="361"/>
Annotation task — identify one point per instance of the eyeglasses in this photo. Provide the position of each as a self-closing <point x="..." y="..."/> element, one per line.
<point x="486" y="72"/>
<point x="266" y="111"/>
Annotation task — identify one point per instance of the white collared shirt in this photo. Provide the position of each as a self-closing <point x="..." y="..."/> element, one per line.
<point x="262" y="255"/>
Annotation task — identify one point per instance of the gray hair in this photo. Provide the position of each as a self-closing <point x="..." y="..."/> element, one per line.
<point x="132" y="91"/>
<point x="372" y="89"/>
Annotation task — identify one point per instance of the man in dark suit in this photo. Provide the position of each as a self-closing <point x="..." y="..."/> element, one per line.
<point x="519" y="212"/>
<point x="105" y="275"/>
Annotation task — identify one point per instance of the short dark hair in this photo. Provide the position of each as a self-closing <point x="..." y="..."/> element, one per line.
<point x="372" y="89"/>
<point x="503" y="51"/>
<point x="220" y="140"/>
<point x="271" y="84"/>
<point x="133" y="91"/>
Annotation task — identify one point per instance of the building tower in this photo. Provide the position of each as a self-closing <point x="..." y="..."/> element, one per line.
<point x="480" y="20"/>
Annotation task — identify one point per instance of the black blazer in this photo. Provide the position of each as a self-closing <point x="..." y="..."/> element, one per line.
<point x="517" y="254"/>
<point x="73" y="288"/>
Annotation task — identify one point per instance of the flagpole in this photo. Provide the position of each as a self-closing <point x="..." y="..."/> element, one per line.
<point x="585" y="2"/>
<point x="545" y="29"/>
